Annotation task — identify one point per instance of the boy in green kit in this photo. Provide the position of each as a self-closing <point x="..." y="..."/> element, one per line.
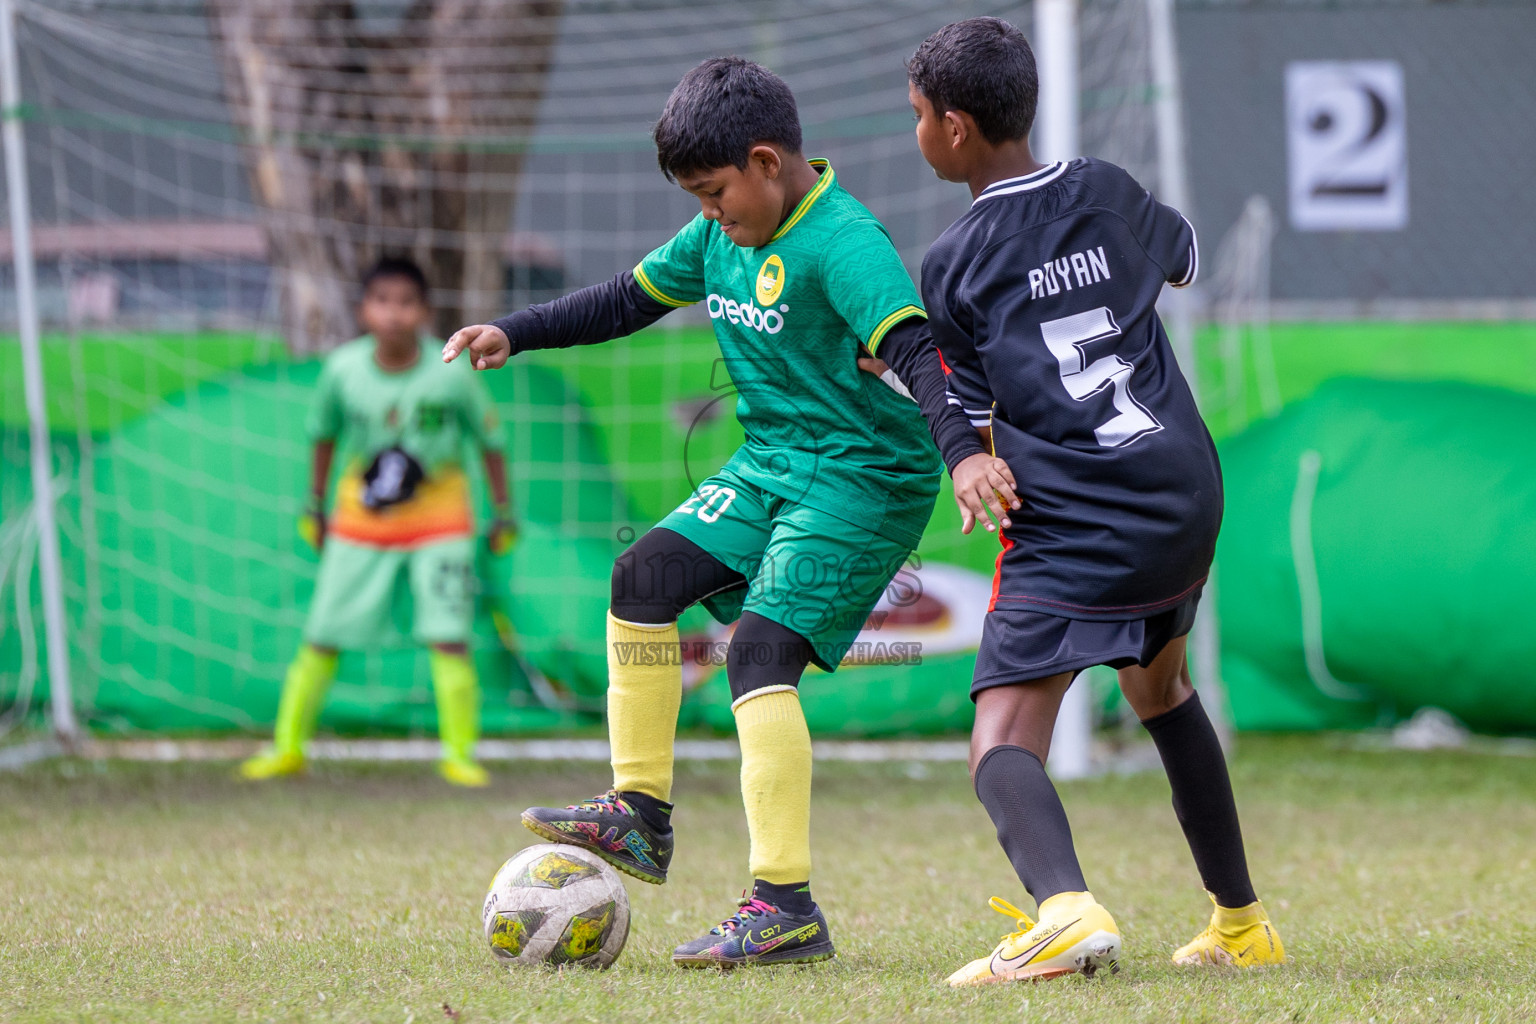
<point x="402" y="505"/>
<point x="802" y="530"/>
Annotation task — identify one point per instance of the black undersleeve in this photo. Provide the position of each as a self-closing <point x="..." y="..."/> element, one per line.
<point x="764" y="653"/>
<point x="664" y="572"/>
<point x="602" y="312"/>
<point x="908" y="349"/>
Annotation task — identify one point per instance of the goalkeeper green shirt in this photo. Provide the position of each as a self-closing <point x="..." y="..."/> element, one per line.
<point x="429" y="410"/>
<point x="791" y="317"/>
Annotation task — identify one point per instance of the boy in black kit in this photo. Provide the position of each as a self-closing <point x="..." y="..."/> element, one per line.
<point x="1042" y="302"/>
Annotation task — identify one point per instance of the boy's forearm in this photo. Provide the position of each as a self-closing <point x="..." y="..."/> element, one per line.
<point x="588" y="316"/>
<point x="320" y="470"/>
<point x="496" y="479"/>
<point x="908" y="349"/>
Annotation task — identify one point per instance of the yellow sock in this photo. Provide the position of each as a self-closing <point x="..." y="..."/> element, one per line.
<point x="298" y="709"/>
<point x="776" y="783"/>
<point x="457" y="690"/>
<point x="645" y="690"/>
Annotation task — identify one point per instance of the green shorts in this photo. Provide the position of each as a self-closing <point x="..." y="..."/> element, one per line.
<point x="355" y="593"/>
<point x="806" y="570"/>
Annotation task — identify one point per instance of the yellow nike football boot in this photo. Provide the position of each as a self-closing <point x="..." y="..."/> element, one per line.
<point x="272" y="764"/>
<point x="1234" y="938"/>
<point x="1075" y="936"/>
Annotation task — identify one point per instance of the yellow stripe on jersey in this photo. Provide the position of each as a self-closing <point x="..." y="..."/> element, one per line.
<point x="884" y="326"/>
<point x="657" y="293"/>
<point x="809" y="199"/>
<point x="439" y="510"/>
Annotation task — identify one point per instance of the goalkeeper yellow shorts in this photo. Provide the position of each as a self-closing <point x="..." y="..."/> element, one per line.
<point x="360" y="590"/>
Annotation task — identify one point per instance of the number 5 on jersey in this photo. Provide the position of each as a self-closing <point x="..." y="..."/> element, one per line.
<point x="716" y="500"/>
<point x="1068" y="339"/>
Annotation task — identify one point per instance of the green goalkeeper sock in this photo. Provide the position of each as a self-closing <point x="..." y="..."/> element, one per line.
<point x="298" y="710"/>
<point x="458" y="704"/>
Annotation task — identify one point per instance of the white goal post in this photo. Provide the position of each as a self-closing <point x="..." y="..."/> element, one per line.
<point x="61" y="702"/>
<point x="1058" y="136"/>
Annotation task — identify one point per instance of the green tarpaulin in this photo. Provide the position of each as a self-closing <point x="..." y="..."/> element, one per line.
<point x="1414" y="505"/>
<point x="1378" y="554"/>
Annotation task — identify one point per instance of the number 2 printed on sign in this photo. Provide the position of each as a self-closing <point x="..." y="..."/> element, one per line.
<point x="1068" y="339"/>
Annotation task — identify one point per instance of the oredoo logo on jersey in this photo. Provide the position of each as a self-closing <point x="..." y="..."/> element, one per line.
<point x="769" y="321"/>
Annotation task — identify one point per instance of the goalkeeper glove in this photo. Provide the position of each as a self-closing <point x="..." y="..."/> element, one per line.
<point x="312" y="523"/>
<point x="503" y="533"/>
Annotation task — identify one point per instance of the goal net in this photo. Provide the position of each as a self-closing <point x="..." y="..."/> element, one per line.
<point x="178" y="199"/>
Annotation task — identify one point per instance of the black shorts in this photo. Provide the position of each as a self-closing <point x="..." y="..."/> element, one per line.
<point x="1019" y="645"/>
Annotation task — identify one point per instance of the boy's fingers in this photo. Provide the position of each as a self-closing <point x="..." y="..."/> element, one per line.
<point x="456" y="344"/>
<point x="993" y="503"/>
<point x="1005" y="470"/>
<point x="1000" y="475"/>
<point x="489" y="347"/>
<point x="1003" y="488"/>
<point x="488" y="355"/>
<point x="978" y="506"/>
<point x="967" y="518"/>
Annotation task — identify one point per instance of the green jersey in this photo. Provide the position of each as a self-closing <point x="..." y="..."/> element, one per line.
<point x="428" y="410"/>
<point x="791" y="318"/>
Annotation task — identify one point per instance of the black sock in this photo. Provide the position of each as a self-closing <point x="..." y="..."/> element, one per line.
<point x="657" y="813"/>
<point x="1202" y="799"/>
<point x="1031" y="823"/>
<point x="794" y="898"/>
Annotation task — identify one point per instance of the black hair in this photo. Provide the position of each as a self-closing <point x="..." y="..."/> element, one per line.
<point x="718" y="112"/>
<point x="984" y="67"/>
<point x="397" y="266"/>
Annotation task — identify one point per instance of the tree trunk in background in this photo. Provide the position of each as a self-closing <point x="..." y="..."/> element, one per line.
<point x="400" y="135"/>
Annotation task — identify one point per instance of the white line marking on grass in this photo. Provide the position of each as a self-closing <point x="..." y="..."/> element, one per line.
<point x="18" y="757"/>
<point x="585" y="750"/>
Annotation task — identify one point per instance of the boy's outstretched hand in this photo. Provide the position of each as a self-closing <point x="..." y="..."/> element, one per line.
<point x="984" y="482"/>
<point x="488" y="346"/>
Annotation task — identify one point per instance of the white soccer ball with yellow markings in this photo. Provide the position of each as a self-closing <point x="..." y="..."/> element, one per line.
<point x="556" y="905"/>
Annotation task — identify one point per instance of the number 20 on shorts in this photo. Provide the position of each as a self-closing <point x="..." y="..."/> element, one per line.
<point x="716" y="500"/>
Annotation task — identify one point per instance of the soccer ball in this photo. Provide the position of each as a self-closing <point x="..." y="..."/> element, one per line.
<point x="556" y="905"/>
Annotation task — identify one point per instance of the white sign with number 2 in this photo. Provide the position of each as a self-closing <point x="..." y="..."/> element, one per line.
<point x="1347" y="139"/>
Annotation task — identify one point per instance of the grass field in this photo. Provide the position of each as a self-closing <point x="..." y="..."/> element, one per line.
<point x="1403" y="884"/>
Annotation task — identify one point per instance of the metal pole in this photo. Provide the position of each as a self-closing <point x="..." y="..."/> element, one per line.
<point x="1057" y="120"/>
<point x="1057" y="136"/>
<point x="49" y="563"/>
<point x="1173" y="189"/>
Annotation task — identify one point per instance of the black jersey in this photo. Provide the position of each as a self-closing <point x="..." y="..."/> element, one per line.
<point x="1042" y="301"/>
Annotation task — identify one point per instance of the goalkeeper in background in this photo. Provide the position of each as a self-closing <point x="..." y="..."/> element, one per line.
<point x="402" y="505"/>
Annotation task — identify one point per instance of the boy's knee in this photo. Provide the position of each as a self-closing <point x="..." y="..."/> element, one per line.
<point x="1152" y="697"/>
<point x="764" y="656"/>
<point x="1174" y="696"/>
<point x="655" y="579"/>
